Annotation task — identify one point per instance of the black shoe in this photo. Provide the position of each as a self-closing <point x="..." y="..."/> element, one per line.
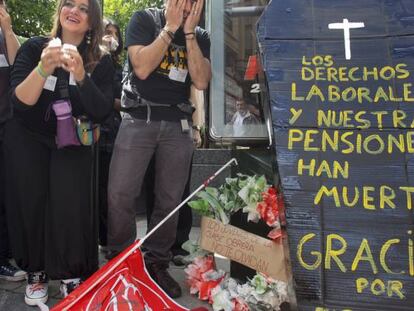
<point x="161" y="276"/>
<point x="9" y="272"/>
<point x="178" y="256"/>
<point x="179" y="252"/>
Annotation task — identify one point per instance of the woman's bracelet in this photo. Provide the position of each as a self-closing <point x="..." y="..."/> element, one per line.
<point x="189" y="33"/>
<point x="41" y="71"/>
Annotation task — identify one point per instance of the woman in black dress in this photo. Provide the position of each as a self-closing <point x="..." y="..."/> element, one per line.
<point x="54" y="229"/>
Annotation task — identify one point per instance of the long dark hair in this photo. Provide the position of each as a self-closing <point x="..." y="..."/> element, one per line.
<point x="115" y="54"/>
<point x="93" y="51"/>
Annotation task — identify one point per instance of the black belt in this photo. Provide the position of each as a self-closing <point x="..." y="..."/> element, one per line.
<point x="184" y="107"/>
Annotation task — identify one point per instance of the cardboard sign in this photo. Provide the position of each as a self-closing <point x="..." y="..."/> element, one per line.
<point x="341" y="85"/>
<point x="248" y="249"/>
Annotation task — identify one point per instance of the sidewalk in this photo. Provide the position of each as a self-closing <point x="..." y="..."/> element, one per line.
<point x="12" y="293"/>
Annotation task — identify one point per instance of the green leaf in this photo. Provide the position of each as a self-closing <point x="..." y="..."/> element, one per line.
<point x="259" y="283"/>
<point x="202" y="207"/>
<point x="213" y="192"/>
<point x="214" y="203"/>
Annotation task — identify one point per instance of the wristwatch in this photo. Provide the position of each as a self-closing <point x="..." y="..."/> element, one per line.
<point x="196" y="127"/>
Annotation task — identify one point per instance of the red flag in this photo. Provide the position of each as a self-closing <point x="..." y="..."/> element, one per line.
<point x="124" y="284"/>
<point x="127" y="287"/>
<point x="252" y="68"/>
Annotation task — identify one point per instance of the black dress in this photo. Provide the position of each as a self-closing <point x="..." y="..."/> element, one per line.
<point x="53" y="223"/>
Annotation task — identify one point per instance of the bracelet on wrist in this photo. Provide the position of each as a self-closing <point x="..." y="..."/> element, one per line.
<point x="196" y="127"/>
<point x="169" y="33"/>
<point x="189" y="33"/>
<point x="41" y="71"/>
<point x="164" y="39"/>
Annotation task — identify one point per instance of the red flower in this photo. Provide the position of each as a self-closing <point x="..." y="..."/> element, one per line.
<point x="275" y="234"/>
<point x="269" y="207"/>
<point x="200" y="276"/>
<point x="206" y="287"/>
<point x="240" y="305"/>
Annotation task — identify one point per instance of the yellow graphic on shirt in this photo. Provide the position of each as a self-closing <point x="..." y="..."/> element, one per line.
<point x="176" y="56"/>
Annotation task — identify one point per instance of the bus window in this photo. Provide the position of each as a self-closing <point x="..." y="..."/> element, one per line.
<point x="236" y="111"/>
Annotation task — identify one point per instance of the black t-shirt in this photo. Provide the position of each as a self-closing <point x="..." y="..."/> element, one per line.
<point x="93" y="99"/>
<point x="158" y="87"/>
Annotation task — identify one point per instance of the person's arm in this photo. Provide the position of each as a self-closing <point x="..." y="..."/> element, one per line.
<point x="198" y="66"/>
<point x="145" y="59"/>
<point x="96" y="92"/>
<point x="12" y="44"/>
<point x="31" y="86"/>
<point x="197" y="101"/>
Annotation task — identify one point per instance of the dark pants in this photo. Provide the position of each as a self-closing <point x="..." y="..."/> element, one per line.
<point x="185" y="216"/>
<point x="4" y="239"/>
<point x="104" y="162"/>
<point x="53" y="225"/>
<point x="109" y="130"/>
<point x="135" y="145"/>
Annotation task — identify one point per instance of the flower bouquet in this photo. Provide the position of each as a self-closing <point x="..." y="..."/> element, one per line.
<point x="260" y="293"/>
<point x="202" y="276"/>
<point x="251" y="194"/>
<point x="224" y="293"/>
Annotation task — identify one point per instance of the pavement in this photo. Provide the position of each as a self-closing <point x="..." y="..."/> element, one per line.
<point x="12" y="293"/>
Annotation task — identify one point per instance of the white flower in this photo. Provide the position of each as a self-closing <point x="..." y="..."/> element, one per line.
<point x="221" y="299"/>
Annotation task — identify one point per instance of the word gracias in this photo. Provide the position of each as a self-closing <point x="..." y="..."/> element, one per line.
<point x="336" y="249"/>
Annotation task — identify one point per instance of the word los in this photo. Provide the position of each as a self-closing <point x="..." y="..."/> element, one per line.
<point x="348" y="142"/>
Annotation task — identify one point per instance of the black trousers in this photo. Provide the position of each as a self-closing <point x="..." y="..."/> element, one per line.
<point x="53" y="225"/>
<point x="137" y="142"/>
<point x="104" y="162"/>
<point x="185" y="216"/>
<point x="4" y="239"/>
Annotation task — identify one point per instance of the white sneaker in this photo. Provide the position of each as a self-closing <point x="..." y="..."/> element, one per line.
<point x="36" y="289"/>
<point x="68" y="286"/>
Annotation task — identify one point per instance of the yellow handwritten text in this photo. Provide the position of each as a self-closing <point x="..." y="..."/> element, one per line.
<point x="349" y="142"/>
<point x="336" y="249"/>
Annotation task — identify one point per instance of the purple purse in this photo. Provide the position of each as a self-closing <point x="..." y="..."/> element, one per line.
<point x="65" y="130"/>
